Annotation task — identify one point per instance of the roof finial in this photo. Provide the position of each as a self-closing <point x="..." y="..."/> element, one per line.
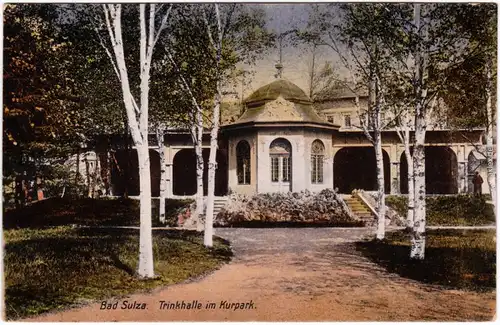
<point x="279" y="68"/>
<point x="279" y="65"/>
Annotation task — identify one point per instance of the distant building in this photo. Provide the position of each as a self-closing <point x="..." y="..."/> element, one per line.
<point x="282" y="142"/>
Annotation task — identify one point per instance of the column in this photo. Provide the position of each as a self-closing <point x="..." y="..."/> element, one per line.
<point x="169" y="160"/>
<point x="462" y="168"/>
<point x="395" y="178"/>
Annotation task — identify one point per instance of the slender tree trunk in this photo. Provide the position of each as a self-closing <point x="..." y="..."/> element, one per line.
<point x="77" y="175"/>
<point x="411" y="181"/>
<point x="87" y="174"/>
<point x="137" y="115"/>
<point x="109" y="162"/>
<point x="311" y="75"/>
<point x="212" y="167"/>
<point x="198" y="131"/>
<point x="380" y="186"/>
<point x="160" y="130"/>
<point x="126" y="169"/>
<point x="418" y="234"/>
<point x="145" y="268"/>
<point x="490" y="168"/>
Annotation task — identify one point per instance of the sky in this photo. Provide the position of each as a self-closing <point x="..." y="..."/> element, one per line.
<point x="296" y="60"/>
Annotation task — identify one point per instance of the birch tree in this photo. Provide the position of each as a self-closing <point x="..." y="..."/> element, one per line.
<point x="426" y="44"/>
<point x="203" y="68"/>
<point x="137" y="112"/>
<point x="355" y="39"/>
<point x="215" y="38"/>
<point x="235" y="33"/>
<point x="472" y="83"/>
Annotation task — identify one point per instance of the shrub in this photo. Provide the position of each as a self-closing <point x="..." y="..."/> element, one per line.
<point x="398" y="203"/>
<point x="324" y="208"/>
<point x="173" y="208"/>
<point x="90" y="212"/>
<point x="449" y="210"/>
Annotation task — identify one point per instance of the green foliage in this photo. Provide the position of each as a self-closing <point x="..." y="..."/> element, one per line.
<point x="463" y="259"/>
<point x="450" y="210"/>
<point x="59" y="178"/>
<point x="271" y="209"/>
<point x="49" y="270"/>
<point x="465" y="90"/>
<point x="89" y="212"/>
<point x="173" y="208"/>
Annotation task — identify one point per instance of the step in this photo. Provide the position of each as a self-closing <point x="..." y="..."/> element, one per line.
<point x="358" y="207"/>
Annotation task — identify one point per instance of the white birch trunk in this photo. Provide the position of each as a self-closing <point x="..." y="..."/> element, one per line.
<point x="380" y="185"/>
<point x="145" y="267"/>
<point x="137" y="116"/>
<point x="212" y="167"/>
<point x="404" y="136"/>
<point x="418" y="234"/>
<point x="212" y="161"/>
<point x="374" y="124"/>
<point x="160" y="130"/>
<point x="411" y="181"/>
<point x="490" y="168"/>
<point x="200" y="223"/>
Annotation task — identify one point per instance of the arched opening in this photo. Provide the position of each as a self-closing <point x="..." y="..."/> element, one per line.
<point x="280" y="154"/>
<point x="184" y="172"/>
<point x="356" y="168"/>
<point x="317" y="159"/>
<point x="125" y="172"/>
<point x="476" y="162"/>
<point x="243" y="162"/>
<point x="441" y="170"/>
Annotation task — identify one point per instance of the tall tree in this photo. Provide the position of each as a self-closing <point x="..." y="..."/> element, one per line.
<point x="355" y="36"/>
<point x="471" y="83"/>
<point x="137" y="112"/>
<point x="426" y="43"/>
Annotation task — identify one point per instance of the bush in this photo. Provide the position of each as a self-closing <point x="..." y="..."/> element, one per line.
<point x="173" y="208"/>
<point x="398" y="204"/>
<point x="58" y="178"/>
<point x="90" y="212"/>
<point x="324" y="208"/>
<point x="450" y="210"/>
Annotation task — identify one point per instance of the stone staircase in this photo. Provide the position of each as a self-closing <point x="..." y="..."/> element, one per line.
<point x="358" y="207"/>
<point x="219" y="203"/>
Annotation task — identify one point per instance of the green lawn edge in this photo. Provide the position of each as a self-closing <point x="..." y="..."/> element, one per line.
<point x="49" y="270"/>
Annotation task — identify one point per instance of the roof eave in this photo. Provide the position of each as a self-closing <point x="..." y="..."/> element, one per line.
<point x="308" y="124"/>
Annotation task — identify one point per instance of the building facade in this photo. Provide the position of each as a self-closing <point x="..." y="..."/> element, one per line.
<point x="284" y="142"/>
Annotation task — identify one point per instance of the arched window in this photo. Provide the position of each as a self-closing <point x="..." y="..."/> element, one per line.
<point x="281" y="160"/>
<point x="317" y="157"/>
<point x="243" y="162"/>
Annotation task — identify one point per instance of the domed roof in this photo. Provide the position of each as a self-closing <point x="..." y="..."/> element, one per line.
<point x="275" y="89"/>
<point x="279" y="102"/>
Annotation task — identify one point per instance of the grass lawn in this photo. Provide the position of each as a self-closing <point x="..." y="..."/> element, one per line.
<point x="88" y="212"/>
<point x="452" y="210"/>
<point x="464" y="259"/>
<point x="50" y="269"/>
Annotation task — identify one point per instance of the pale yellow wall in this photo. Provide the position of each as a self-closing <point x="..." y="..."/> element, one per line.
<point x="247" y="189"/>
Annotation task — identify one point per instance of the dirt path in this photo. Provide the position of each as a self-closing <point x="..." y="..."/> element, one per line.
<point x="297" y="275"/>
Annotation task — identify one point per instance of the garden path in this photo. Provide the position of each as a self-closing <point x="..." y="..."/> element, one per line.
<point x="298" y="274"/>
